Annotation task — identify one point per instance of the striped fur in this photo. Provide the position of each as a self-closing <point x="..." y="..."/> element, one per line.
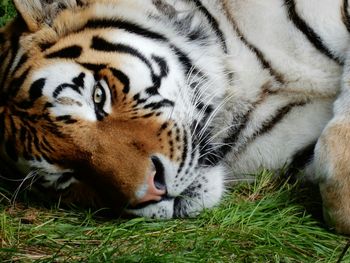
<point x="92" y="91"/>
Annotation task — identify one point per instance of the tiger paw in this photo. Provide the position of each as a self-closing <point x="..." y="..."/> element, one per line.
<point x="332" y="163"/>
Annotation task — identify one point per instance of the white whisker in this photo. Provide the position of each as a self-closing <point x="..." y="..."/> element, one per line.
<point x="30" y="175"/>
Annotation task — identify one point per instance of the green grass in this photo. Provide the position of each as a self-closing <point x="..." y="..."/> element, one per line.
<point x="263" y="222"/>
<point x="7" y="11"/>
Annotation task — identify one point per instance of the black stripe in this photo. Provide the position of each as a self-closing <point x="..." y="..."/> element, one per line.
<point x="207" y="156"/>
<point x="213" y="22"/>
<point x="164" y="70"/>
<point x="35" y="92"/>
<point x="27" y="151"/>
<point x="37" y="146"/>
<point x="163" y="66"/>
<point x="122" y="78"/>
<point x="48" y="145"/>
<point x="66" y="119"/>
<point x="258" y="53"/>
<point x="136" y="29"/>
<point x="192" y="157"/>
<point x="45" y="46"/>
<point x="152" y="90"/>
<point x="22" y="60"/>
<point x="281" y="113"/>
<point x="301" y="158"/>
<point x="14" y="49"/>
<point x="184" y="153"/>
<point x="64" y="86"/>
<point x="267" y="126"/>
<point x="102" y="45"/>
<point x="70" y="52"/>
<point x="241" y="121"/>
<point x="233" y="134"/>
<point x="25" y="137"/>
<point x="310" y="34"/>
<point x="160" y="104"/>
<point x="96" y="68"/>
<point x="10" y="144"/>
<point x="29" y="144"/>
<point x="36" y="89"/>
<point x="207" y="108"/>
<point x="260" y="56"/>
<point x="149" y="115"/>
<point x="17" y="83"/>
<point x="198" y="34"/>
<point x="44" y="147"/>
<point x="79" y="81"/>
<point x="129" y="27"/>
<point x="23" y="115"/>
<point x="345" y="15"/>
<point x="186" y="62"/>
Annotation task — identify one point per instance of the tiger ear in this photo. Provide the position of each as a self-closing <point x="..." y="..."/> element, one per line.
<point x="38" y="13"/>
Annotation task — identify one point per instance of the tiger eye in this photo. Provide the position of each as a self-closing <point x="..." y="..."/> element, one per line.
<point x="98" y="95"/>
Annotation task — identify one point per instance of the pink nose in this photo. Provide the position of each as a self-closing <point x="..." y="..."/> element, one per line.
<point x="155" y="183"/>
<point x="153" y="193"/>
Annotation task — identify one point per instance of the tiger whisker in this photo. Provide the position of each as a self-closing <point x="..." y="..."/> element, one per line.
<point x="213" y="115"/>
<point x="30" y="175"/>
<point x="210" y="139"/>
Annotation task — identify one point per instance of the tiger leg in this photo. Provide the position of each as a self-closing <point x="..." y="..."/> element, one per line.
<point x="332" y="162"/>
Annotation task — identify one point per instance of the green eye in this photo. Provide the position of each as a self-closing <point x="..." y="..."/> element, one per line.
<point x="99" y="95"/>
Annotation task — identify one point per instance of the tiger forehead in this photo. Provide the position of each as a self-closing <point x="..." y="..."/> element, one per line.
<point x="74" y="46"/>
<point x="96" y="48"/>
<point x="83" y="22"/>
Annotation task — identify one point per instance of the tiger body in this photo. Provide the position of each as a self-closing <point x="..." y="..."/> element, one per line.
<point x="154" y="105"/>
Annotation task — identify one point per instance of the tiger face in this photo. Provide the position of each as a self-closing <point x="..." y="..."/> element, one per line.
<point x="102" y="110"/>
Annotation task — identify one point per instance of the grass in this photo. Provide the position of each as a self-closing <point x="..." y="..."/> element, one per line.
<point x="7" y="11"/>
<point x="264" y="222"/>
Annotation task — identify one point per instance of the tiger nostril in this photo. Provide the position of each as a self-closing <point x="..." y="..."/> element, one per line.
<point x="159" y="178"/>
<point x="156" y="186"/>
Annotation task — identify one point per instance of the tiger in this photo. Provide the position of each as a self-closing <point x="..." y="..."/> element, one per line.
<point x="151" y="107"/>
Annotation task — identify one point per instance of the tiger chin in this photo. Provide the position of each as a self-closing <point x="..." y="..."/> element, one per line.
<point x="150" y="106"/>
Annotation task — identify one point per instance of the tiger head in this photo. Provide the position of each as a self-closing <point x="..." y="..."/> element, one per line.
<point x="104" y="103"/>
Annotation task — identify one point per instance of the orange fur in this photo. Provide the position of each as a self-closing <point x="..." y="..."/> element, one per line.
<point x="335" y="190"/>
